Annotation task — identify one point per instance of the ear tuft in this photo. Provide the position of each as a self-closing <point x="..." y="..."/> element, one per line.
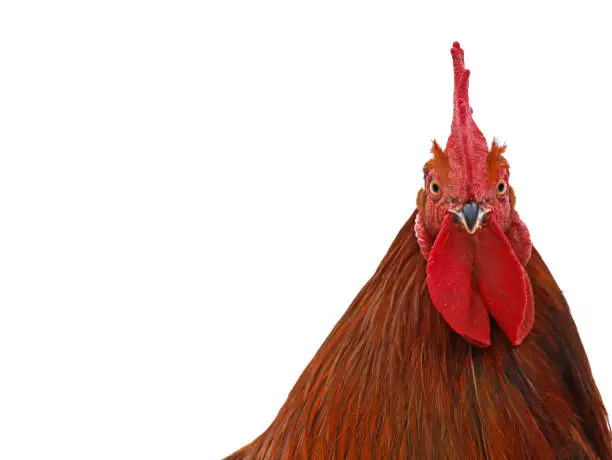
<point x="439" y="161"/>
<point x="496" y="161"/>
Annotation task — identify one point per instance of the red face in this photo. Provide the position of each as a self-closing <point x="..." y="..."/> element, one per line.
<point x="471" y="206"/>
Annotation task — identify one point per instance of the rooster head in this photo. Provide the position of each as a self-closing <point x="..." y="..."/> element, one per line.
<point x="475" y="244"/>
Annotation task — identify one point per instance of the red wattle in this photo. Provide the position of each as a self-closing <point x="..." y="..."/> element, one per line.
<point x="449" y="277"/>
<point x="470" y="276"/>
<point x="502" y="281"/>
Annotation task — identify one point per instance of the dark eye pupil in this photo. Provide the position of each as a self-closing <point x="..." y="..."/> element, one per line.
<point x="501" y="187"/>
<point x="435" y="188"/>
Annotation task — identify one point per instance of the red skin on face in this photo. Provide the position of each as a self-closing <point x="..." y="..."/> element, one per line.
<point x="472" y="276"/>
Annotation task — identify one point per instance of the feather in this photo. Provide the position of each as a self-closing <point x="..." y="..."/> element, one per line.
<point x="440" y="162"/>
<point x="496" y="162"/>
<point x="392" y="380"/>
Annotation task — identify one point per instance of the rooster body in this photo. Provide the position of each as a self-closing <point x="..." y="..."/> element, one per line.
<point x="460" y="346"/>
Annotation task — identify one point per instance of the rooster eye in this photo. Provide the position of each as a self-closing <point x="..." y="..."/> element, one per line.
<point x="501" y="187"/>
<point x="434" y="188"/>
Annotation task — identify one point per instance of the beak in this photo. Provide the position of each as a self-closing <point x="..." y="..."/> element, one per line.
<point x="470" y="215"/>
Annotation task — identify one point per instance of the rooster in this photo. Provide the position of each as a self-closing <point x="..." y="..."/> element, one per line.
<point x="460" y="346"/>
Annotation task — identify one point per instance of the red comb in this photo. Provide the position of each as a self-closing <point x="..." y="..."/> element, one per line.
<point x="461" y="74"/>
<point x="466" y="147"/>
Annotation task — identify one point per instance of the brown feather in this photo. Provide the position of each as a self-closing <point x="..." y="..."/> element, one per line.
<point x="495" y="161"/>
<point x="440" y="162"/>
<point x="392" y="380"/>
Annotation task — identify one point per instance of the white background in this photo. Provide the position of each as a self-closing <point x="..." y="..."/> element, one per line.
<point x="191" y="194"/>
